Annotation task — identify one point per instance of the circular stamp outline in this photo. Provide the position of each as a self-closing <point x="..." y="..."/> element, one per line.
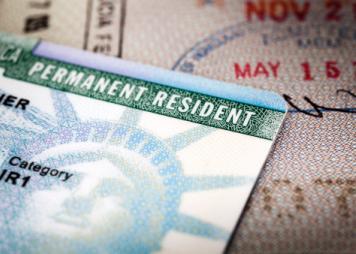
<point x="202" y="48"/>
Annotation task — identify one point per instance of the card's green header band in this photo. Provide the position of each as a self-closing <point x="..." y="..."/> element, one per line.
<point x="19" y="63"/>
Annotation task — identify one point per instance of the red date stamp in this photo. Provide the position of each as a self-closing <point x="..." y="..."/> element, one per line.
<point x="282" y="10"/>
<point x="272" y="69"/>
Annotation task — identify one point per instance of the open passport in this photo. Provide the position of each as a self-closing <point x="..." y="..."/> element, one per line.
<point x="102" y="155"/>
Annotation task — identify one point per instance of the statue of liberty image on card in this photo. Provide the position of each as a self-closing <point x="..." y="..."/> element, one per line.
<point x="100" y="155"/>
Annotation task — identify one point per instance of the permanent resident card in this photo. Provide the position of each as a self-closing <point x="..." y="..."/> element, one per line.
<point x="101" y="155"/>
